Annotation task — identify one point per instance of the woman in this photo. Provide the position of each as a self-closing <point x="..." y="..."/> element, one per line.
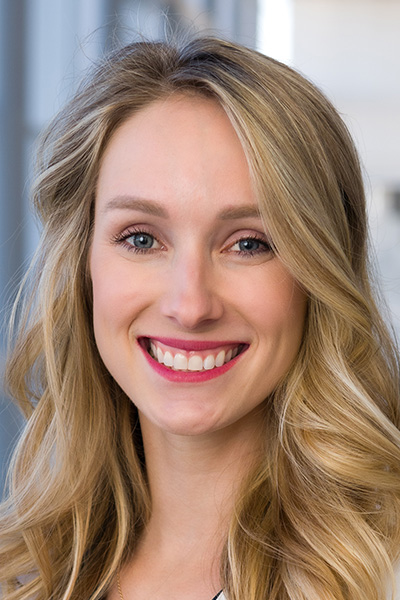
<point x="212" y="395"/>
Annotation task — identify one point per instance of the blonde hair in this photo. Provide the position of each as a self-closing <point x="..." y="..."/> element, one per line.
<point x="319" y="516"/>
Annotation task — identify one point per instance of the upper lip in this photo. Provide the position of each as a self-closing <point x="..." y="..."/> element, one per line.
<point x="194" y="344"/>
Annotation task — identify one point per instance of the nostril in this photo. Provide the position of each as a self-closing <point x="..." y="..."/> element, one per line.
<point x="192" y="309"/>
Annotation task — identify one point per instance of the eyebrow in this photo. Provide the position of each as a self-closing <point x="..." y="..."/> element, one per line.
<point x="152" y="207"/>
<point x="240" y="212"/>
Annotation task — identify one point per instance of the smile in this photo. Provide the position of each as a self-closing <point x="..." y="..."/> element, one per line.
<point x="193" y="360"/>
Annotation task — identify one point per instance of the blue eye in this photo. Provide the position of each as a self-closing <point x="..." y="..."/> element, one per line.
<point x="250" y="246"/>
<point x="137" y="240"/>
<point x="141" y="240"/>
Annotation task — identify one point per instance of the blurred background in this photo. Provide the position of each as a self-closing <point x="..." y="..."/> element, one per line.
<point x="349" y="48"/>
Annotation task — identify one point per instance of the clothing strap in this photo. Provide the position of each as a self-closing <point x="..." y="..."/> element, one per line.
<point x="217" y="596"/>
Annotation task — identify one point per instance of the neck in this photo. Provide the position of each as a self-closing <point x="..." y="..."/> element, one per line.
<point x="194" y="482"/>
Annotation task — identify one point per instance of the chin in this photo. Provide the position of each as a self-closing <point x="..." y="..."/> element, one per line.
<point x="188" y="424"/>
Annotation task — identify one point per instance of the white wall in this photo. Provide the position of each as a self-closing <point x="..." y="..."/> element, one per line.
<point x="351" y="49"/>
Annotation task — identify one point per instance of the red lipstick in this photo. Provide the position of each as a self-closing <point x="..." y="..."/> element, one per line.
<point x="194" y="345"/>
<point x="188" y="376"/>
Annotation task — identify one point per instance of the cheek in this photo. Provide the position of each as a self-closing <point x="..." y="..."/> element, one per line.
<point x="121" y="291"/>
<point x="279" y="306"/>
<point x="111" y="300"/>
<point x="114" y="310"/>
<point x="109" y="293"/>
<point x="282" y="325"/>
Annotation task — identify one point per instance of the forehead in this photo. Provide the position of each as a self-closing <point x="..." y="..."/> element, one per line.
<point x="182" y="149"/>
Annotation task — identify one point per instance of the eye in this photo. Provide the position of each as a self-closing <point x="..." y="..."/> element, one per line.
<point x="137" y="240"/>
<point x="250" y="246"/>
<point x="141" y="240"/>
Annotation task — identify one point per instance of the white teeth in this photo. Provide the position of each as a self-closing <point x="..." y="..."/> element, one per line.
<point x="180" y="362"/>
<point x="160" y="356"/>
<point x="228" y="356"/>
<point x="219" y="361"/>
<point x="195" y="363"/>
<point x="168" y="359"/>
<point x="209" y="362"/>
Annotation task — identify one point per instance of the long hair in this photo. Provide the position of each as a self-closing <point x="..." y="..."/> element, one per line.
<point x="319" y="517"/>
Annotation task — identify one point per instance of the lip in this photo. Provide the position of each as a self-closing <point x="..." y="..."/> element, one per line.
<point x="194" y="345"/>
<point x="189" y="376"/>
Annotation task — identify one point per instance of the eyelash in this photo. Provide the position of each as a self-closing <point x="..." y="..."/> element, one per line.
<point x="264" y="246"/>
<point x="121" y="239"/>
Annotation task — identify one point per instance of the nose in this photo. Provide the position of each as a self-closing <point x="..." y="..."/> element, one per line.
<point x="191" y="295"/>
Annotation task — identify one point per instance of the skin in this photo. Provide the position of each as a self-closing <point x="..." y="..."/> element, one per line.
<point x="202" y="278"/>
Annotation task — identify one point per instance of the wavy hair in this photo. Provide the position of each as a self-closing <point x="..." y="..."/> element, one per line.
<point x="319" y="516"/>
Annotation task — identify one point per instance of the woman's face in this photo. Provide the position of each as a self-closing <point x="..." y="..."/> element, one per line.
<point x="194" y="316"/>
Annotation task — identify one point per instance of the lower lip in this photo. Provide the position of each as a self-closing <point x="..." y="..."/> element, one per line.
<point x="189" y="376"/>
